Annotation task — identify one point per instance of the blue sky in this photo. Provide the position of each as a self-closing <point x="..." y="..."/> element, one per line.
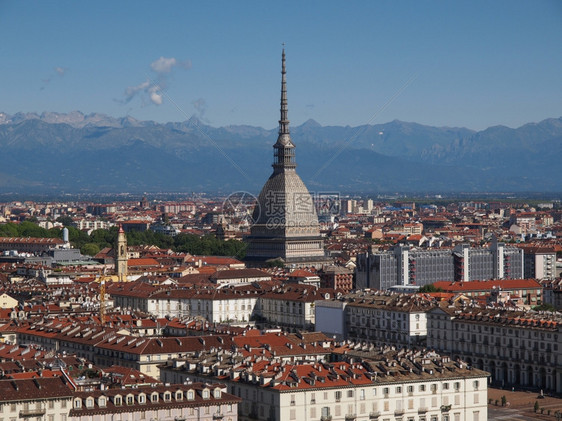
<point x="446" y="63"/>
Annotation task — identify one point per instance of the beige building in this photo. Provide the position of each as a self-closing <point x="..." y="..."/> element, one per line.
<point x="376" y="318"/>
<point x="47" y="399"/>
<point x="189" y="402"/>
<point x="7" y="301"/>
<point x="517" y="348"/>
<point x="376" y="386"/>
<point x="290" y="306"/>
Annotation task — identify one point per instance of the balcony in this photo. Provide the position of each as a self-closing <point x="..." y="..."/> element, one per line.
<point x="326" y="418"/>
<point x="422" y="410"/>
<point x="374" y="415"/>
<point x="445" y="408"/>
<point x="218" y="416"/>
<point x="399" y="412"/>
<point x="350" y="417"/>
<point x="32" y="412"/>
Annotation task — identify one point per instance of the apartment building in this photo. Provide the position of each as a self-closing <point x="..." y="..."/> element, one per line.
<point x="189" y="402"/>
<point x="290" y="306"/>
<point x="109" y="347"/>
<point x="403" y="265"/>
<point x="540" y="262"/>
<point x="216" y="305"/>
<point x="381" y="385"/>
<point x="376" y="318"/>
<point x="48" y="399"/>
<point x="521" y="291"/>
<point x="517" y="348"/>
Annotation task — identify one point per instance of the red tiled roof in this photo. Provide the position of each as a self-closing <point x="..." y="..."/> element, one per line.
<point x="488" y="285"/>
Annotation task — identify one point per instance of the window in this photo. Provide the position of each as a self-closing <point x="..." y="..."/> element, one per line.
<point x="167" y="396"/>
<point x="205" y="393"/>
<point x="130" y="399"/>
<point x="350" y="393"/>
<point x="338" y="396"/>
<point x="102" y="402"/>
<point x="445" y="386"/>
<point x="89" y="402"/>
<point x="475" y="384"/>
<point x="154" y="397"/>
<point x="142" y="398"/>
<point x="51" y="405"/>
<point x="385" y="391"/>
<point x="362" y="394"/>
<point x="292" y="400"/>
<point x="77" y="403"/>
<point x="410" y="389"/>
<point x="179" y="395"/>
<point x="398" y="389"/>
<point x="457" y="385"/>
<point x="191" y="395"/>
<point x="117" y="400"/>
<point x="422" y="387"/>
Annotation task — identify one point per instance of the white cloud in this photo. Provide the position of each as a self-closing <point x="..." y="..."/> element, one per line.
<point x="60" y="70"/>
<point x="132" y="91"/>
<point x="163" y="64"/>
<point x="151" y="90"/>
<point x="155" y="96"/>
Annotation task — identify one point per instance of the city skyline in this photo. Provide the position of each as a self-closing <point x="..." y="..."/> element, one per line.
<point x="464" y="64"/>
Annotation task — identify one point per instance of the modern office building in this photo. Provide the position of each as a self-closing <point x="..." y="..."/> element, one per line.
<point x="403" y="265"/>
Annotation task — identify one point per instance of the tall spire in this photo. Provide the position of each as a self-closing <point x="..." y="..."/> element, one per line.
<point x="284" y="150"/>
<point x="284" y="122"/>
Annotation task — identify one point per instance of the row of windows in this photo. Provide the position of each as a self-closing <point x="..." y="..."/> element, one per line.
<point x="338" y="394"/>
<point x="142" y="398"/>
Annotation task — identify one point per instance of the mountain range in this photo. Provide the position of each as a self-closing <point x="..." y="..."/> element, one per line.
<point x="74" y="152"/>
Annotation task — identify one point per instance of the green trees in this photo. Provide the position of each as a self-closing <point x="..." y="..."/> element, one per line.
<point x="430" y="288"/>
<point x="101" y="238"/>
<point x="65" y="220"/>
<point x="90" y="249"/>
<point x="544" y="307"/>
<point x="27" y="229"/>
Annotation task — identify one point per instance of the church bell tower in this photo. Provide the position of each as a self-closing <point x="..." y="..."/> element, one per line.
<point x="121" y="255"/>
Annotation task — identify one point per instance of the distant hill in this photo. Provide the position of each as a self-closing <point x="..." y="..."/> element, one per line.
<point x="96" y="153"/>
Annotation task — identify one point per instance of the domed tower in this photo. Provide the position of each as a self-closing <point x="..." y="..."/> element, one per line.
<point x="121" y="256"/>
<point x="286" y="225"/>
